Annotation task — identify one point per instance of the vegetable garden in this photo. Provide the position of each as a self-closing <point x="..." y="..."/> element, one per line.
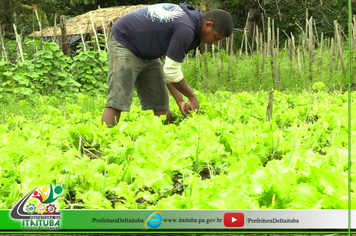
<point x="234" y="154"/>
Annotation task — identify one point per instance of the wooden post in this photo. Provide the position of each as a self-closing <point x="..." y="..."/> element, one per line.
<point x="81" y="36"/>
<point x="277" y="44"/>
<point x="104" y="30"/>
<point x="321" y="49"/>
<point x="206" y="72"/>
<point x="40" y="25"/>
<point x="19" y="43"/>
<point x="278" y="77"/>
<point x="3" y="46"/>
<point x="354" y="32"/>
<point x="94" y="30"/>
<point x="339" y="44"/>
<point x="331" y="55"/>
<point x="311" y="42"/>
<point x="311" y="47"/>
<point x="257" y="40"/>
<point x="316" y="34"/>
<point x="33" y="30"/>
<point x="228" y="68"/>
<point x="65" y="46"/>
<point x="197" y="56"/>
<point x="232" y="44"/>
<point x="268" y="35"/>
<point x="270" y="106"/>
<point x="264" y="52"/>
<point x="221" y="64"/>
<point x="299" y="63"/>
<point x="197" y="61"/>
<point x="55" y="28"/>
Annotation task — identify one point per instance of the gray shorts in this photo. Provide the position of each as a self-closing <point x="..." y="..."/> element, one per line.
<point x="127" y="71"/>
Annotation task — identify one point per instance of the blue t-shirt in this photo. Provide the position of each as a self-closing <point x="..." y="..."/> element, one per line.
<point x="160" y="29"/>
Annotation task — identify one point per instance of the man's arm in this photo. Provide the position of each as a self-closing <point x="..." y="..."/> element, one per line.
<point x="183" y="87"/>
<point x="177" y="85"/>
<point x="184" y="107"/>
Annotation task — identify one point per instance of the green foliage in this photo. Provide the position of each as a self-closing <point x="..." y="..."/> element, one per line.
<point x="296" y="161"/>
<point x="46" y="73"/>
<point x="90" y="69"/>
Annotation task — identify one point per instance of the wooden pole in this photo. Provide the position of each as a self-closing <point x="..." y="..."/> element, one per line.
<point x="206" y="72"/>
<point x="321" y="48"/>
<point x="19" y="44"/>
<point x="257" y="40"/>
<point x="33" y="30"/>
<point x="3" y="46"/>
<point x="40" y="25"/>
<point x="270" y="106"/>
<point x="311" y="47"/>
<point x="81" y="36"/>
<point x="331" y="55"/>
<point x="94" y="30"/>
<point x="65" y="46"/>
<point x="268" y="35"/>
<point x="278" y="77"/>
<point x="299" y="62"/>
<point x="338" y="40"/>
<point x="277" y="45"/>
<point x="264" y="52"/>
<point x="55" y="28"/>
<point x="104" y="30"/>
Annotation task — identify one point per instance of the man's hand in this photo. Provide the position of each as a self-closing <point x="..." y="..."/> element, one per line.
<point x="177" y="89"/>
<point x="194" y="104"/>
<point x="185" y="108"/>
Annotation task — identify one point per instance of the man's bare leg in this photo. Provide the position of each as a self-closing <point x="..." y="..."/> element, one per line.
<point x="111" y="116"/>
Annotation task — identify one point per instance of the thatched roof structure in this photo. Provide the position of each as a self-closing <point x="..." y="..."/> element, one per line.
<point x="82" y="24"/>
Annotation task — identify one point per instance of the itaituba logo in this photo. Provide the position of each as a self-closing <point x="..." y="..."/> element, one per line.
<point x="43" y="215"/>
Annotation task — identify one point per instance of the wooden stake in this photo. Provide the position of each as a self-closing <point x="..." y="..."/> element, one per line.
<point x="269" y="35"/>
<point x="257" y="40"/>
<point x="55" y="28"/>
<point x="52" y="36"/>
<point x="331" y="55"/>
<point x="299" y="62"/>
<point x="104" y="30"/>
<point x="270" y="106"/>
<point x="278" y="76"/>
<point x="65" y="46"/>
<point x="277" y="42"/>
<point x="264" y="53"/>
<point x="273" y="36"/>
<point x="336" y="25"/>
<point x="19" y="44"/>
<point x="206" y="72"/>
<point x="311" y="41"/>
<point x="232" y="44"/>
<point x="354" y="32"/>
<point x="321" y="48"/>
<point x="94" y="30"/>
<point x="3" y="46"/>
<point x="197" y="56"/>
<point x="81" y="36"/>
<point x="316" y="33"/>
<point x="40" y="25"/>
<point x="228" y="68"/>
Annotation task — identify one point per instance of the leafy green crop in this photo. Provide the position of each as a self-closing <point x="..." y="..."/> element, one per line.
<point x="227" y="157"/>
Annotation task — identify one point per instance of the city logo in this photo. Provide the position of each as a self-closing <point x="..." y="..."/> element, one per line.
<point x="234" y="219"/>
<point x="154" y="220"/>
<point x="44" y="215"/>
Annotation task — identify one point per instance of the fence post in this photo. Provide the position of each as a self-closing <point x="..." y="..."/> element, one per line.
<point x="65" y="45"/>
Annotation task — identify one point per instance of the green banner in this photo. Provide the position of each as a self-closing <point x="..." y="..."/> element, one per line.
<point x="104" y="220"/>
